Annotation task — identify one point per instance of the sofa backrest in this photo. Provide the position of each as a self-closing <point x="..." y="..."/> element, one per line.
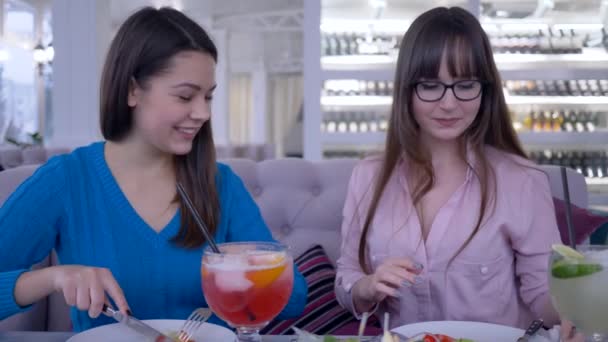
<point x="13" y="156"/>
<point x="301" y="202"/>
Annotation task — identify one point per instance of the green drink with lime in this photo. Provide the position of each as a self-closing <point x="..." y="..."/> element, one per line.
<point x="578" y="283"/>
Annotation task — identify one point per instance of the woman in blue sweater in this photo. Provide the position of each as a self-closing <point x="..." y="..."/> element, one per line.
<point x="111" y="210"/>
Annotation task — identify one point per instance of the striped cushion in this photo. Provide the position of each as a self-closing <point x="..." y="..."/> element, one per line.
<point x="322" y="314"/>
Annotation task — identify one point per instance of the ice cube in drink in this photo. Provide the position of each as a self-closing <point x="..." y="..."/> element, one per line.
<point x="250" y="291"/>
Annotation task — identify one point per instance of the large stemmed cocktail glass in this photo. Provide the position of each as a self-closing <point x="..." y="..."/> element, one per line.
<point x="247" y="284"/>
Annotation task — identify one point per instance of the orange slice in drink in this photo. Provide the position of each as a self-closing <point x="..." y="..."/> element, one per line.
<point x="264" y="277"/>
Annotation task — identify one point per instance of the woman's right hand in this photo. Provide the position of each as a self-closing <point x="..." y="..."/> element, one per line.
<point x="86" y="288"/>
<point x="389" y="277"/>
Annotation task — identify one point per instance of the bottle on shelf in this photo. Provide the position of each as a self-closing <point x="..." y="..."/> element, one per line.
<point x="562" y="43"/>
<point x="547" y="122"/>
<point x="533" y="155"/>
<point x="604" y="87"/>
<point x="528" y="43"/>
<point x="589" y="121"/>
<point x="390" y="88"/>
<point x="542" y="89"/>
<point x="603" y="164"/>
<point x="353" y="44"/>
<point x="592" y="164"/>
<point x="576" y="42"/>
<point x="353" y="124"/>
<point x="556" y="158"/>
<point x="332" y="124"/>
<point x="528" y="123"/>
<point x="552" y="120"/>
<point x="342" y="125"/>
<point x="588" y="170"/>
<point x="373" y="122"/>
<point x="551" y="88"/>
<point x="577" y="162"/>
<point x="569" y="121"/>
<point x="594" y="87"/>
<point x="362" y="88"/>
<point x="545" y="46"/>
<point x="378" y="46"/>
<point x="537" y="121"/>
<point x="578" y="122"/>
<point x="541" y="159"/>
<point x="562" y="88"/>
<point x="495" y="43"/>
<point x="556" y="120"/>
<point x="567" y="159"/>
<point x="333" y="46"/>
<point x="381" y="88"/>
<point x="530" y="88"/>
<point x="573" y="88"/>
<point x="597" y="165"/>
<point x="383" y="123"/>
<point x="584" y="87"/>
<point x="363" y="122"/>
<point x="324" y="45"/>
<point x="338" y="44"/>
<point x="371" y="88"/>
<point x="323" y="127"/>
<point x="351" y="91"/>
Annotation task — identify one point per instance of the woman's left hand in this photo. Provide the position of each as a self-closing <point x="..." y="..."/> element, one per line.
<point x="568" y="333"/>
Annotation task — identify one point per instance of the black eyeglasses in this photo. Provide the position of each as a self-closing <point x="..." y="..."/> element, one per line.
<point x="432" y="91"/>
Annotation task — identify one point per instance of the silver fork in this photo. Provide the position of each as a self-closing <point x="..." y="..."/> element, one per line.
<point x="193" y="323"/>
<point x="402" y="338"/>
<point x="386" y="329"/>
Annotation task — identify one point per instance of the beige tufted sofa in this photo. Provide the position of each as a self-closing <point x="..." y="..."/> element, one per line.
<point x="301" y="202"/>
<point x="12" y="156"/>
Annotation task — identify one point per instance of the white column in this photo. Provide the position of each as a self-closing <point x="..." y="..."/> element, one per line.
<point x="474" y="6"/>
<point x="81" y="33"/>
<point x="40" y="78"/>
<point x="220" y="97"/>
<point x="312" y="80"/>
<point x="200" y="11"/>
<point x="259" y="102"/>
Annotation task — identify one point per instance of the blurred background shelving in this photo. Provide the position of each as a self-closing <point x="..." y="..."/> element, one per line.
<point x="552" y="56"/>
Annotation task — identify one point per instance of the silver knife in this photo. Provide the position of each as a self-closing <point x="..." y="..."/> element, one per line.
<point x="142" y="328"/>
<point x="532" y="329"/>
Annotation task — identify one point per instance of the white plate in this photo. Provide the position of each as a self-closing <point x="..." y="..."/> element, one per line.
<point x="476" y="331"/>
<point x="119" y="332"/>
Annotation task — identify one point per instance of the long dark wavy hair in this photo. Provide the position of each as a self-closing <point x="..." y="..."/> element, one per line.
<point x="458" y="34"/>
<point x="143" y="48"/>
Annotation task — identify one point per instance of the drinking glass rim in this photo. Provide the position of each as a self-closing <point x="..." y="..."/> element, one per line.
<point x="584" y="249"/>
<point x="279" y="247"/>
<point x="588" y="247"/>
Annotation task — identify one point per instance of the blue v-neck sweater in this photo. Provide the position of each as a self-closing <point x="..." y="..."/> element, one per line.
<point x="74" y="204"/>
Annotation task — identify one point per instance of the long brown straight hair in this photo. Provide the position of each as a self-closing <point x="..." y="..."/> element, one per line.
<point x="142" y="49"/>
<point x="457" y="34"/>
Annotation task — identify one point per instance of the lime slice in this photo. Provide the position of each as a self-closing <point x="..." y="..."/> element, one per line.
<point x="567" y="252"/>
<point x="566" y="271"/>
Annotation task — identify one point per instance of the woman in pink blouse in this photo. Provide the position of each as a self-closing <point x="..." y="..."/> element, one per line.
<point x="451" y="222"/>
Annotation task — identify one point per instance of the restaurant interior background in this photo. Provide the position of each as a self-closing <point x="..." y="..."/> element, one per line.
<point x="313" y="78"/>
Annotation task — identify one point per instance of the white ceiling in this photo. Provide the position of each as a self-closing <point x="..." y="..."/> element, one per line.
<point x="203" y="9"/>
<point x="249" y="47"/>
